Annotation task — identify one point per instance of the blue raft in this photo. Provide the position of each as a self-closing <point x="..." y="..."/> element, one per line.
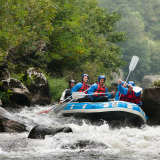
<point x="109" y="111"/>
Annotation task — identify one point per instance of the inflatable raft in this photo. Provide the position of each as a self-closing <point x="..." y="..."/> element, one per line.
<point x="123" y="112"/>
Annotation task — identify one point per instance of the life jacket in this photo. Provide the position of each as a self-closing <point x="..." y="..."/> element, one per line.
<point x="84" y="87"/>
<point x="100" y="89"/>
<point x="131" y="97"/>
<point x="123" y="97"/>
<point x="68" y="92"/>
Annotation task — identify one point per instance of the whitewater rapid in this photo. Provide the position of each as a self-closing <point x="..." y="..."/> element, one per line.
<point x="125" y="143"/>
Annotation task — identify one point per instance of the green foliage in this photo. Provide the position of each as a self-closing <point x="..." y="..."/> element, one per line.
<point x="94" y="70"/>
<point x="5" y="96"/>
<point x="156" y="83"/>
<point x="18" y="76"/>
<point x="26" y="81"/>
<point x="25" y="27"/>
<point x="59" y="35"/>
<point x="56" y="86"/>
<point x="108" y="83"/>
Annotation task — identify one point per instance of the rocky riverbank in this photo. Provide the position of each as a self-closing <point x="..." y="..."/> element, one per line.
<point x="34" y="89"/>
<point x="151" y="104"/>
<point x="16" y="95"/>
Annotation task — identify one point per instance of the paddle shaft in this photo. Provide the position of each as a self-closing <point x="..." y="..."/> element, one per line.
<point x="94" y="94"/>
<point x="132" y="66"/>
<point x="58" y="104"/>
<point x="128" y="76"/>
<point x="58" y="109"/>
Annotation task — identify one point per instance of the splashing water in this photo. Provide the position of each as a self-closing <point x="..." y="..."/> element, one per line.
<point x="125" y="143"/>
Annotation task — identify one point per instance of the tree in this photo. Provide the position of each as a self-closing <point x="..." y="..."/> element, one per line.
<point x="59" y="35"/>
<point x="138" y="40"/>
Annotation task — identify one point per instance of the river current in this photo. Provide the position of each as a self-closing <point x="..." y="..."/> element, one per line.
<point x="124" y="143"/>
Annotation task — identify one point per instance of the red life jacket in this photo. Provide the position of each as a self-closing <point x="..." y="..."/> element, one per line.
<point x="100" y="89"/>
<point x="131" y="97"/>
<point x="84" y="87"/>
<point x="123" y="97"/>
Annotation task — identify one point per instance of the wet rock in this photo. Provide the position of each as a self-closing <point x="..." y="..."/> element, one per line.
<point x="39" y="131"/>
<point x="20" y="94"/>
<point x="148" y="80"/>
<point x="85" y="144"/>
<point x="38" y="87"/>
<point x="10" y="123"/>
<point x="151" y="104"/>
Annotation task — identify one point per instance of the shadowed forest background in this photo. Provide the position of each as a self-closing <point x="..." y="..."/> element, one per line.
<point x="141" y="20"/>
<point x="65" y="39"/>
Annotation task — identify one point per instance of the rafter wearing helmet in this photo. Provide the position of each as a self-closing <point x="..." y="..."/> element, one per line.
<point x="100" y="88"/>
<point x="67" y="92"/>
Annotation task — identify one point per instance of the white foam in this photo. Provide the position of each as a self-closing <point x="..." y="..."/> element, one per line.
<point x="124" y="143"/>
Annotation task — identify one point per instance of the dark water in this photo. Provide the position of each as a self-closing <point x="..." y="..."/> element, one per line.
<point x="125" y="143"/>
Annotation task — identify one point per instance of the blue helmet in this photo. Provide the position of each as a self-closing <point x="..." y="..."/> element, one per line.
<point x="100" y="77"/>
<point x="123" y="82"/>
<point x="85" y="75"/>
<point x="131" y="82"/>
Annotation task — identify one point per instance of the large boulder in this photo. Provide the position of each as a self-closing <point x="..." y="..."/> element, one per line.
<point x="38" y="87"/>
<point x="117" y="76"/>
<point x="151" y="104"/>
<point x="40" y="131"/>
<point x="10" y="123"/>
<point x="148" y="80"/>
<point x="20" y="94"/>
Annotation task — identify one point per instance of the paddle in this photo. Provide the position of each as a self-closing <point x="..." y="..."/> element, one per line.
<point x="137" y="89"/>
<point x="46" y="111"/>
<point x="132" y="66"/>
<point x="61" y="107"/>
<point x="58" y="108"/>
<point x="76" y="95"/>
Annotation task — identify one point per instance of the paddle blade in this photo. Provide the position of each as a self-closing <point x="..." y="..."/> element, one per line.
<point x="45" y="111"/>
<point x="137" y="89"/>
<point x="57" y="109"/>
<point x="77" y="95"/>
<point x="133" y="63"/>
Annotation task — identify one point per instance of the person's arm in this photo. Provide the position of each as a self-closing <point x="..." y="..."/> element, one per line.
<point x="122" y="90"/>
<point x="76" y="87"/>
<point x="117" y="96"/>
<point x="92" y="90"/>
<point x="63" y="96"/>
<point x="109" y="95"/>
<point x="137" y="94"/>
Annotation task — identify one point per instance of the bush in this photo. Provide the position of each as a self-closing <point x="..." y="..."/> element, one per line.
<point x="156" y="83"/>
<point x="56" y="86"/>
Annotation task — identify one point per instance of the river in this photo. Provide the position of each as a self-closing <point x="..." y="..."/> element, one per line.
<point x="124" y="144"/>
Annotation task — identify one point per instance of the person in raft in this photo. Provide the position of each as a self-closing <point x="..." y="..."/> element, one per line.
<point x="67" y="92"/>
<point x="132" y="96"/>
<point x="82" y="87"/>
<point x="100" y="88"/>
<point x="119" y="96"/>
